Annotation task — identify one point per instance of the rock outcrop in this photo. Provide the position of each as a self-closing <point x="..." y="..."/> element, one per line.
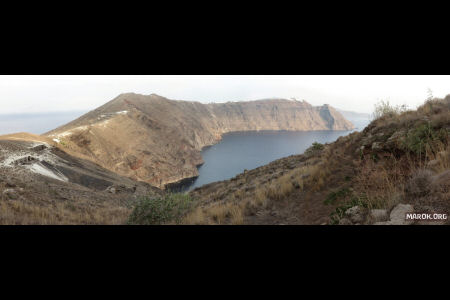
<point x="358" y="215"/>
<point x="157" y="140"/>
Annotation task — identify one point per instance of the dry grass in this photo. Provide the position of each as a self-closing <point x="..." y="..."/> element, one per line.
<point x="260" y="199"/>
<point x="439" y="160"/>
<point x="312" y="176"/>
<point x="196" y="217"/>
<point x="17" y="212"/>
<point x="219" y="213"/>
<point x="26" y="209"/>
<point x="239" y="194"/>
<point x="236" y="215"/>
<point x="285" y="185"/>
<point x="381" y="185"/>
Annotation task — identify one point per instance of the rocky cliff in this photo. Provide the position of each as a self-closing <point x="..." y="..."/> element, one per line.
<point x="157" y="140"/>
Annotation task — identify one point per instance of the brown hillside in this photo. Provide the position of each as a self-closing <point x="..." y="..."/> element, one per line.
<point x="42" y="184"/>
<point x="157" y="140"/>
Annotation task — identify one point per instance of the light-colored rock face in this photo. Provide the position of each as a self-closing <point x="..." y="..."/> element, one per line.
<point x="356" y="214"/>
<point x="398" y="214"/>
<point x="379" y="215"/>
<point x="157" y="140"/>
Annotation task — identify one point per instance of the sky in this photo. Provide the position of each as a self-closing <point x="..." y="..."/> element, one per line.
<point x="359" y="93"/>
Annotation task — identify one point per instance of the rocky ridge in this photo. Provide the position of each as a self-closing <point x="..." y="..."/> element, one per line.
<point x="157" y="140"/>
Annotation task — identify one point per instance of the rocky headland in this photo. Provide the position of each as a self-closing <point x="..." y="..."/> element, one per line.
<point x="158" y="141"/>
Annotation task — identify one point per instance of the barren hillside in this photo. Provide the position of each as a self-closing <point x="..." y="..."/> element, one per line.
<point x="157" y="140"/>
<point x="42" y="184"/>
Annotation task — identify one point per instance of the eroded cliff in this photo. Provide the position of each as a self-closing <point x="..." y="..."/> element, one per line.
<point x="157" y="140"/>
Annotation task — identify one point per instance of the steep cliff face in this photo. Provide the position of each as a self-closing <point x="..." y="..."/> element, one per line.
<point x="277" y="115"/>
<point x="157" y="140"/>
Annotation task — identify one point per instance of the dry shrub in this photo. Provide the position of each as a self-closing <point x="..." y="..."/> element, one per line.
<point x="285" y="186"/>
<point x="301" y="183"/>
<point x="221" y="213"/>
<point x="218" y="213"/>
<point x="444" y="159"/>
<point x="239" y="194"/>
<point x="260" y="198"/>
<point x="420" y="183"/>
<point x="318" y="174"/>
<point x="434" y="106"/>
<point x="196" y="217"/>
<point x="439" y="161"/>
<point x="426" y="190"/>
<point x="236" y="215"/>
<point x="383" y="109"/>
<point x="378" y="186"/>
<point x="272" y="191"/>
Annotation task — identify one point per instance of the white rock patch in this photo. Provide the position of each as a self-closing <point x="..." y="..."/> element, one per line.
<point x="11" y="158"/>
<point x="103" y="124"/>
<point x="40" y="169"/>
<point x="34" y="144"/>
<point x="69" y="132"/>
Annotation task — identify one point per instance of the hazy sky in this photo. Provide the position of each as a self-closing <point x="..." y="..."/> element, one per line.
<point x="30" y="94"/>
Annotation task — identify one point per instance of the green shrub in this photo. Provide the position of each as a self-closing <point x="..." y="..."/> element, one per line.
<point x="375" y="157"/>
<point x="159" y="210"/>
<point x="340" y="210"/>
<point x="424" y="138"/>
<point x="316" y="147"/>
<point x="334" y="196"/>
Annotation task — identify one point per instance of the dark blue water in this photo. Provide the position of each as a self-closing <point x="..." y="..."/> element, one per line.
<point x="248" y="150"/>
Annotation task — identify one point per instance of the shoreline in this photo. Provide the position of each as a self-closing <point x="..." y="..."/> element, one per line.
<point x="184" y="184"/>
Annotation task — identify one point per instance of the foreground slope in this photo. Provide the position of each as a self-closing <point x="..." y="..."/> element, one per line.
<point x="398" y="164"/>
<point x="42" y="184"/>
<point x="157" y="140"/>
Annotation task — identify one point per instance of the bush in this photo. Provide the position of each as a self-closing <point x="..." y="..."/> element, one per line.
<point x="159" y="210"/>
<point x="424" y="138"/>
<point x="420" y="183"/>
<point x="334" y="196"/>
<point x="316" y="147"/>
<point x="340" y="210"/>
<point x="384" y="108"/>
